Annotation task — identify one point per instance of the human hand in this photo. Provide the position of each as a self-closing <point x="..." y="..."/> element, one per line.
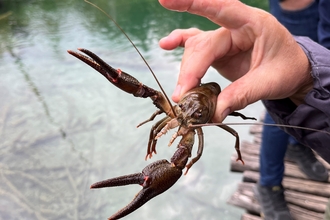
<point x="252" y="49"/>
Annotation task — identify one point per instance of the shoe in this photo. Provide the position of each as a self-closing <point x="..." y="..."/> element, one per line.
<point x="307" y="162"/>
<point x="272" y="202"/>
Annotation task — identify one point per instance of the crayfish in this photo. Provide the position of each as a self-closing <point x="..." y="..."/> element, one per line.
<point x="196" y="107"/>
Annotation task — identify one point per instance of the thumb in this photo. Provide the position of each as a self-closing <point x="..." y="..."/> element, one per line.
<point x="236" y="96"/>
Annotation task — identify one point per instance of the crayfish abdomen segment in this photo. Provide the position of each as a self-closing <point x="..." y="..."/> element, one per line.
<point x="181" y="155"/>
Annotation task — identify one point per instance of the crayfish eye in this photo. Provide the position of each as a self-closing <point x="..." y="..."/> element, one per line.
<point x="199" y="113"/>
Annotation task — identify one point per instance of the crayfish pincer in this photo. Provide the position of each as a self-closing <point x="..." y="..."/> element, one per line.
<point x="196" y="107"/>
<point x="155" y="178"/>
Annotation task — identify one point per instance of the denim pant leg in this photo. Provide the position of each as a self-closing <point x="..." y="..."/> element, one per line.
<point x="273" y="147"/>
<point x="274" y="140"/>
<point x="302" y="22"/>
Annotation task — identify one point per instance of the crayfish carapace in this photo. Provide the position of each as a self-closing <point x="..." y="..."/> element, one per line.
<point x="196" y="107"/>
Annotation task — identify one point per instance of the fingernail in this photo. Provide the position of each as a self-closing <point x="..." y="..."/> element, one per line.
<point x="225" y="113"/>
<point x="177" y="91"/>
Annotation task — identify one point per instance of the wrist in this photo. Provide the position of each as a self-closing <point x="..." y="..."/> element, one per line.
<point x="304" y="76"/>
<point x="307" y="86"/>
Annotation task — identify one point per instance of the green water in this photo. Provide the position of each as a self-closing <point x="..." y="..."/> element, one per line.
<point x="64" y="127"/>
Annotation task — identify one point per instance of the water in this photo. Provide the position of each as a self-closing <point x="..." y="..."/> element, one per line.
<point x="64" y="127"/>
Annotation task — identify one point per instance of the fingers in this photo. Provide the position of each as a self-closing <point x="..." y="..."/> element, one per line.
<point x="237" y="96"/>
<point x="270" y="80"/>
<point x="199" y="54"/>
<point x="252" y="49"/>
<point x="177" y="38"/>
<point x="227" y="13"/>
<point x="201" y="49"/>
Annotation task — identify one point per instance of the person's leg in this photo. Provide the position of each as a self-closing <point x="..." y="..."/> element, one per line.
<point x="274" y="146"/>
<point x="305" y="158"/>
<point x="300" y="18"/>
<point x="274" y="143"/>
<point x="299" y="21"/>
<point x="269" y="190"/>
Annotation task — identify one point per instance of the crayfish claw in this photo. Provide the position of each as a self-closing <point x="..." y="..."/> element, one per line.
<point x="155" y="179"/>
<point x="140" y="199"/>
<point x="136" y="178"/>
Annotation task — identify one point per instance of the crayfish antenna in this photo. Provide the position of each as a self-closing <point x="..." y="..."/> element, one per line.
<point x="260" y="123"/>
<point x="138" y="51"/>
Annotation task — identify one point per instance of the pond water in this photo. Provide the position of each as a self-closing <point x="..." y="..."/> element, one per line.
<point x="63" y="126"/>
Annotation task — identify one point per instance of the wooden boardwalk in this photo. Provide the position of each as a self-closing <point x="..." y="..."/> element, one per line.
<point x="307" y="200"/>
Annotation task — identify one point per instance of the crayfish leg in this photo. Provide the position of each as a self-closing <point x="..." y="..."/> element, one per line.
<point x="173" y="123"/>
<point x="152" y="117"/>
<point x="156" y="128"/>
<point x="237" y="114"/>
<point x="234" y="133"/>
<point x="200" y="136"/>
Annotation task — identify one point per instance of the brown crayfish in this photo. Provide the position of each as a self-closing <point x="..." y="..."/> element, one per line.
<point x="196" y="107"/>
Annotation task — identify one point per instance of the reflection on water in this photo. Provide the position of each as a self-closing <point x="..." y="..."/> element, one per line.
<point x="63" y="127"/>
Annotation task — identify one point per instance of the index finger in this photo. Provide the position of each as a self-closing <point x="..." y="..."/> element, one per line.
<point x="200" y="52"/>
<point x="227" y="13"/>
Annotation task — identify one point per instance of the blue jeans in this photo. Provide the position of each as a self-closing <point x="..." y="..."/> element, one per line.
<point x="300" y="23"/>
<point x="274" y="140"/>
<point x="272" y="152"/>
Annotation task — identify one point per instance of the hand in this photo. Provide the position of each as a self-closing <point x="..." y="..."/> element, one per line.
<point x="251" y="49"/>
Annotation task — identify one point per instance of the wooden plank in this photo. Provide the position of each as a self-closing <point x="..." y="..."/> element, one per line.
<point x="257" y="138"/>
<point x="247" y="147"/>
<point x="251" y="162"/>
<point x="300" y="185"/>
<point x="244" y="198"/>
<point x="307" y="200"/>
<point x="247" y="216"/>
<point x="299" y="213"/>
<point x="250" y="148"/>
<point x="236" y="166"/>
<point x="255" y="129"/>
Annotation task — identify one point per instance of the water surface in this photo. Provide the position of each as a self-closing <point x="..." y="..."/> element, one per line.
<point x="63" y="126"/>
